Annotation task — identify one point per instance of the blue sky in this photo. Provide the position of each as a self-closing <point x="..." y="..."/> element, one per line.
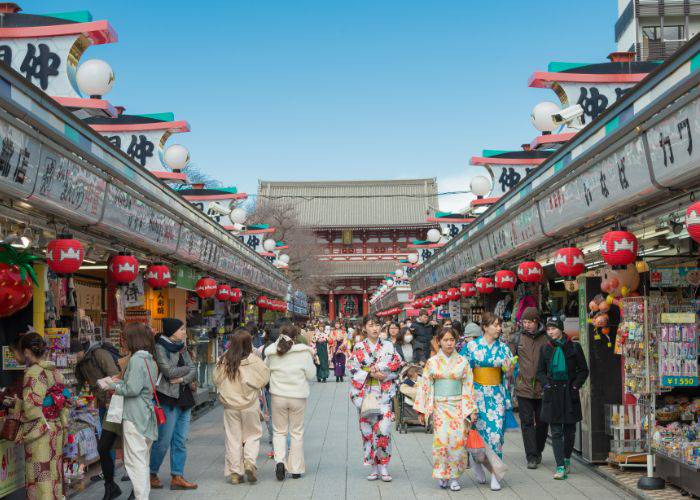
<point x="342" y="89"/>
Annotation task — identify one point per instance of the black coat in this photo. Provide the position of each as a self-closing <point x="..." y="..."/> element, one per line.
<point x="422" y="334"/>
<point x="561" y="403"/>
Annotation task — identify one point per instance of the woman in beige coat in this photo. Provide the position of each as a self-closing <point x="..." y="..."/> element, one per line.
<point x="239" y="376"/>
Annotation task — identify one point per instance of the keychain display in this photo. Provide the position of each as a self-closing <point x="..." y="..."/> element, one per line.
<point x="678" y="350"/>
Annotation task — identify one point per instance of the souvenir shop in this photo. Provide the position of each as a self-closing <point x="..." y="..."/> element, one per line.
<point x="90" y="242"/>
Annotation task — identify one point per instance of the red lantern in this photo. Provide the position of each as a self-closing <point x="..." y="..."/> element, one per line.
<point x="618" y="248"/>
<point x="263" y="302"/>
<point x="157" y="276"/>
<point x="453" y="295"/>
<point x="205" y="288"/>
<point x="467" y="290"/>
<point x="123" y="268"/>
<point x="223" y="293"/>
<point x="236" y="295"/>
<point x="64" y="255"/>
<point x="442" y="297"/>
<point x="569" y="262"/>
<point x="530" y="272"/>
<point x="692" y="220"/>
<point x="484" y="285"/>
<point x="505" y="279"/>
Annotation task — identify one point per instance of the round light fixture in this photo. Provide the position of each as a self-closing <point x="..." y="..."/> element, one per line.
<point x="480" y="185"/>
<point x="541" y="116"/>
<point x="95" y="78"/>
<point x="176" y="157"/>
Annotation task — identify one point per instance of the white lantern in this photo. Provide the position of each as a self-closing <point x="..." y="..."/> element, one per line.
<point x="238" y="215"/>
<point x="390" y="282"/>
<point x="399" y="273"/>
<point x="269" y="245"/>
<point x="284" y="259"/>
<point x="176" y="157"/>
<point x="480" y="185"/>
<point x="434" y="235"/>
<point x="413" y="258"/>
<point x="541" y="116"/>
<point x="95" y="78"/>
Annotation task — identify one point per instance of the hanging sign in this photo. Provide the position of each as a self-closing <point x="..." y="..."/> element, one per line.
<point x="19" y="161"/>
<point x="133" y="293"/>
<point x="674" y="277"/>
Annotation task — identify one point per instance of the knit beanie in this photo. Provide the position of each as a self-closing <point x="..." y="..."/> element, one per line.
<point x="170" y="326"/>
<point x="556" y="323"/>
<point x="472" y="330"/>
<point x="531" y="313"/>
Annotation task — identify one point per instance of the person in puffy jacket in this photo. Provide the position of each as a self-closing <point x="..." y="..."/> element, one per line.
<point x="291" y="367"/>
<point x="423" y="332"/>
<point x="239" y="376"/>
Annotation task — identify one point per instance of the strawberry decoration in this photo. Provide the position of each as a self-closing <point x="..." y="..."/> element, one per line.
<point x="15" y="289"/>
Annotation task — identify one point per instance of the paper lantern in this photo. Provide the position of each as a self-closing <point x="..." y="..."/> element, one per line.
<point x="223" y="293"/>
<point x="263" y="302"/>
<point x="64" y="255"/>
<point x="569" y="262"/>
<point x="205" y="288"/>
<point x="467" y="290"/>
<point x="530" y="272"/>
<point x="453" y="295"/>
<point x="505" y="279"/>
<point x="157" y="276"/>
<point x="123" y="268"/>
<point x="484" y="285"/>
<point x="618" y="248"/>
<point x="442" y="297"/>
<point x="692" y="220"/>
<point x="236" y="295"/>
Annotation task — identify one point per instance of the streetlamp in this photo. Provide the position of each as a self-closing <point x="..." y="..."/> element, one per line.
<point x="176" y="157"/>
<point x="480" y="186"/>
<point x="541" y="117"/>
<point x="238" y="216"/>
<point x="269" y="245"/>
<point x="434" y="235"/>
<point x="413" y="258"/>
<point x="95" y="78"/>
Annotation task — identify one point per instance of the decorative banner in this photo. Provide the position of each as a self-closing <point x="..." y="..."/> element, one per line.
<point x="159" y="304"/>
<point x="348" y="306"/>
<point x="674" y="277"/>
<point x="133" y="293"/>
<point x="88" y="295"/>
<point x="19" y="161"/>
<point x="189" y="246"/>
<point x="186" y="277"/>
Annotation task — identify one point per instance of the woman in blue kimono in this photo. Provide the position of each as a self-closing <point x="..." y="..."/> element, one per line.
<point x="489" y="359"/>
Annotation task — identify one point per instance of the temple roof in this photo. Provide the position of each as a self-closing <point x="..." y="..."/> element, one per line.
<point x="354" y="204"/>
<point x="372" y="268"/>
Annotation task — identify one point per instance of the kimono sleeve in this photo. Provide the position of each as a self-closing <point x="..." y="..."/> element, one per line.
<point x="468" y="399"/>
<point x="33" y="421"/>
<point x="425" y="395"/>
<point x="358" y="375"/>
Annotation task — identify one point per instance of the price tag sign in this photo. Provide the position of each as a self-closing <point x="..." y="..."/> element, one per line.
<point x="677" y="381"/>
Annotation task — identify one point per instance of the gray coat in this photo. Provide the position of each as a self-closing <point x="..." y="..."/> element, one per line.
<point x="167" y="364"/>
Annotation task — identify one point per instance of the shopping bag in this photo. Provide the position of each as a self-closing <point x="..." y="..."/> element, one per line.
<point x="116" y="409"/>
<point x="495" y="464"/>
<point x="475" y="446"/>
<point x="370" y="406"/>
<point x="510" y="422"/>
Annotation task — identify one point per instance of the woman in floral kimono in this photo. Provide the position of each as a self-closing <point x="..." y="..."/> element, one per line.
<point x="489" y="358"/>
<point x="339" y="350"/>
<point x="320" y="346"/>
<point x="446" y="391"/>
<point x="43" y="421"/>
<point x="374" y="366"/>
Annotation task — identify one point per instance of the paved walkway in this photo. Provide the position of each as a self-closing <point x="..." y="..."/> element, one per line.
<point x="334" y="470"/>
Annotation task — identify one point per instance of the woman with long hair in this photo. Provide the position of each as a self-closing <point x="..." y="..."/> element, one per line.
<point x="42" y="428"/>
<point x="446" y="391"/>
<point x="393" y="332"/>
<point x="139" y="425"/>
<point x="291" y="367"/>
<point x="489" y="358"/>
<point x="374" y="366"/>
<point x="239" y="376"/>
<point x="320" y="345"/>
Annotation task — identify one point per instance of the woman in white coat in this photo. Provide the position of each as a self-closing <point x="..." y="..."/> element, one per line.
<point x="291" y="367"/>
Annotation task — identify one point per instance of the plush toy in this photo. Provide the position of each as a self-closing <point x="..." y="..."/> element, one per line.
<point x="618" y="283"/>
<point x="599" y="318"/>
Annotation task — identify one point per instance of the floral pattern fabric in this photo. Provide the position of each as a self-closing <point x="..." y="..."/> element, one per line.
<point x="376" y="431"/>
<point x="449" y="413"/>
<point x="492" y="401"/>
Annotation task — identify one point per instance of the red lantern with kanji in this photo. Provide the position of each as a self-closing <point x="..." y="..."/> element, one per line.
<point x="123" y="268"/>
<point x="505" y="279"/>
<point x="442" y="297"/>
<point x="453" y="295"/>
<point x="64" y="255"/>
<point x="569" y="262"/>
<point x="205" y="288"/>
<point x="236" y="295"/>
<point x="467" y="290"/>
<point x="16" y="277"/>
<point x="618" y="248"/>
<point x="530" y="272"/>
<point x="484" y="285"/>
<point x="263" y="302"/>
<point x="223" y="293"/>
<point x="157" y="276"/>
<point x="692" y="220"/>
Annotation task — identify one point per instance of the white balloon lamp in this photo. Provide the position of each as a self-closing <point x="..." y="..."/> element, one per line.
<point x="541" y="116"/>
<point x="269" y="245"/>
<point x="95" y="78"/>
<point x="176" y="157"/>
<point x="434" y="235"/>
<point x="413" y="258"/>
<point x="238" y="215"/>
<point x="480" y="185"/>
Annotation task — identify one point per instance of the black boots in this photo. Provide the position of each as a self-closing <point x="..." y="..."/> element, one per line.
<point x="111" y="491"/>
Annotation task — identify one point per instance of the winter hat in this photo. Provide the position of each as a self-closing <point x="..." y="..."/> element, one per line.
<point x="556" y="323"/>
<point x="170" y="326"/>
<point x="531" y="313"/>
<point x="472" y="330"/>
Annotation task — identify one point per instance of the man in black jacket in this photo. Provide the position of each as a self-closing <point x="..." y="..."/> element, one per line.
<point x="423" y="332"/>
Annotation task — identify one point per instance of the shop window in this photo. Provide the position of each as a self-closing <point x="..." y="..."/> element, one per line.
<point x="670" y="33"/>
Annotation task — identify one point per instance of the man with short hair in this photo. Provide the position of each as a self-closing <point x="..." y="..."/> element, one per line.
<point x="423" y="332"/>
<point x="526" y="344"/>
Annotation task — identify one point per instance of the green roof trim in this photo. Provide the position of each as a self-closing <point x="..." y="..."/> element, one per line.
<point x="450" y="215"/>
<point x="558" y="67"/>
<point x="488" y="153"/>
<point x="255" y="227"/>
<point x="421" y="242"/>
<point x="79" y="16"/>
<point x="230" y="189"/>
<point x="695" y="63"/>
<point x="164" y="117"/>
<point x="281" y="244"/>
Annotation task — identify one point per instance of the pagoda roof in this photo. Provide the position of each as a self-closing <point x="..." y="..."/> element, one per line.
<point x="371" y="268"/>
<point x="355" y="204"/>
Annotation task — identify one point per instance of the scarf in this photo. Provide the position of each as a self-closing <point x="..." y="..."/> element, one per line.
<point x="169" y="345"/>
<point x="557" y="365"/>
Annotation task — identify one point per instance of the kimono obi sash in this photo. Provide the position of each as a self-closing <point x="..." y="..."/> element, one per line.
<point x="488" y="375"/>
<point x="447" y="387"/>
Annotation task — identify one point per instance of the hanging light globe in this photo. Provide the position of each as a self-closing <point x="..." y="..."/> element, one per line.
<point x="399" y="273"/>
<point x="480" y="185"/>
<point x="176" y="157"/>
<point x="269" y="245"/>
<point x="238" y="215"/>
<point x="541" y="116"/>
<point x="434" y="235"/>
<point x="413" y="258"/>
<point x="284" y="259"/>
<point x="95" y="78"/>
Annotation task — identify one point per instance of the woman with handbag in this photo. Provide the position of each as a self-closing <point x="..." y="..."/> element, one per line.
<point x="446" y="391"/>
<point x="291" y="367"/>
<point x="43" y="421"/>
<point x="140" y="415"/>
<point x="374" y="366"/>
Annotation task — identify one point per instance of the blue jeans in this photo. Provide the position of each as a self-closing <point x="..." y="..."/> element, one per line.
<point x="172" y="434"/>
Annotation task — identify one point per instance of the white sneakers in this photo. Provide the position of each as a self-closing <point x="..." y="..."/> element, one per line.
<point x="495" y="485"/>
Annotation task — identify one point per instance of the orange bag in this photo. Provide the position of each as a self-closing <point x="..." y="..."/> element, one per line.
<point x="474" y="441"/>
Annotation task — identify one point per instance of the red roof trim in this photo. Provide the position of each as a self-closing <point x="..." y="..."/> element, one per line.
<point x="174" y="127"/>
<point x="216" y="197"/>
<point x="98" y="31"/>
<point x="480" y="160"/>
<point x="544" y="79"/>
<point x="79" y="102"/>
<point x="542" y="140"/>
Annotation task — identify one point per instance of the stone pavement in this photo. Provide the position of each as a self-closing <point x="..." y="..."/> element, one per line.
<point x="335" y="471"/>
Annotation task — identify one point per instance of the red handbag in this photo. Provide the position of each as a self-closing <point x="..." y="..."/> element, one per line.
<point x="160" y="413"/>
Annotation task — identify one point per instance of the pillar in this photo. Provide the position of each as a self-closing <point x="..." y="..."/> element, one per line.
<point x="331" y="306"/>
<point x="365" y="303"/>
<point x="39" y="298"/>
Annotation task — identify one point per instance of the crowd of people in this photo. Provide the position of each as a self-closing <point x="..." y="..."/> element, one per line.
<point x="461" y="380"/>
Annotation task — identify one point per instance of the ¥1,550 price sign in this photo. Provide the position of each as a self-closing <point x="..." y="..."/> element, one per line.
<point x="678" y="381"/>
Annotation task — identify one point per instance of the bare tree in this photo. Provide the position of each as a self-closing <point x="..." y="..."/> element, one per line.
<point x="306" y="272"/>
<point x="197" y="176"/>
